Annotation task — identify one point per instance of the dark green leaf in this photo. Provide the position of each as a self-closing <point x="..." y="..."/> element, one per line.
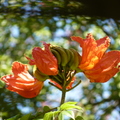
<point x="15" y="117"/>
<point x="25" y="117"/>
<point x="2" y="84"/>
<point x="46" y="108"/>
<point x="79" y="118"/>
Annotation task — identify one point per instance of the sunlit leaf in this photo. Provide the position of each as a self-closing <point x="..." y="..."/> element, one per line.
<point x="69" y="105"/>
<point x="61" y="116"/>
<point x="70" y="114"/>
<point x="50" y="115"/>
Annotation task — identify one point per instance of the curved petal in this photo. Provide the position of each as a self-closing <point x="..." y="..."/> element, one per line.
<point x="70" y="85"/>
<point x="18" y="68"/>
<point x="22" y="82"/>
<point x="45" y="60"/>
<point x="31" y="61"/>
<point x="92" y="50"/>
<point x="106" y="68"/>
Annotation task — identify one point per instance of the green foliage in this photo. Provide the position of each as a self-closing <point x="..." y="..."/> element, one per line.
<point x="65" y="109"/>
<point x="20" y="117"/>
<point x="2" y="84"/>
<point x="26" y="117"/>
<point x="50" y="115"/>
<point x="69" y="105"/>
<point x="16" y="117"/>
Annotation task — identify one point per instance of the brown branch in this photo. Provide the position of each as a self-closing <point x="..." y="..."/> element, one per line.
<point x="100" y="9"/>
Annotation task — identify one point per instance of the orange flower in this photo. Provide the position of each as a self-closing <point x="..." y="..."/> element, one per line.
<point x="106" y="68"/>
<point x="97" y="65"/>
<point x="44" y="60"/>
<point x="92" y="51"/>
<point x="22" y="82"/>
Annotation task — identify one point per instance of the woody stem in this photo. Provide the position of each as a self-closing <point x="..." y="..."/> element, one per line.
<point x="63" y="97"/>
<point x="63" y="94"/>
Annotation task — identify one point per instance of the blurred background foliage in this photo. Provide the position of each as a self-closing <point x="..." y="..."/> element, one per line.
<point x="25" y="23"/>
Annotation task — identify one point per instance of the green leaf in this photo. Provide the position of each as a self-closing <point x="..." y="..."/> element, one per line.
<point x="46" y="108"/>
<point x="37" y="119"/>
<point x="79" y="118"/>
<point x="2" y="84"/>
<point x="64" y="105"/>
<point x="69" y="105"/>
<point x="69" y="114"/>
<point x="61" y="117"/>
<point x="25" y="117"/>
<point x="14" y="117"/>
<point x="50" y="115"/>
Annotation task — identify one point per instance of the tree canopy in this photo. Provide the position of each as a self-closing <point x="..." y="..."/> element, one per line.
<point x="65" y="8"/>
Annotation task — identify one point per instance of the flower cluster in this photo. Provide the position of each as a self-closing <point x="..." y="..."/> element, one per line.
<point x="98" y="65"/>
<point x="60" y="65"/>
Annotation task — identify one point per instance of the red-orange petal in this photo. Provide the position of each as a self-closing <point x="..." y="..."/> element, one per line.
<point x="56" y="84"/>
<point x="31" y="61"/>
<point x="70" y="85"/>
<point x="45" y="60"/>
<point x="22" y="82"/>
<point x="105" y="69"/>
<point x="92" y="50"/>
<point x="17" y="68"/>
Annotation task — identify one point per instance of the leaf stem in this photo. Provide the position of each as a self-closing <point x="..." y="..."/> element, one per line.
<point x="74" y="86"/>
